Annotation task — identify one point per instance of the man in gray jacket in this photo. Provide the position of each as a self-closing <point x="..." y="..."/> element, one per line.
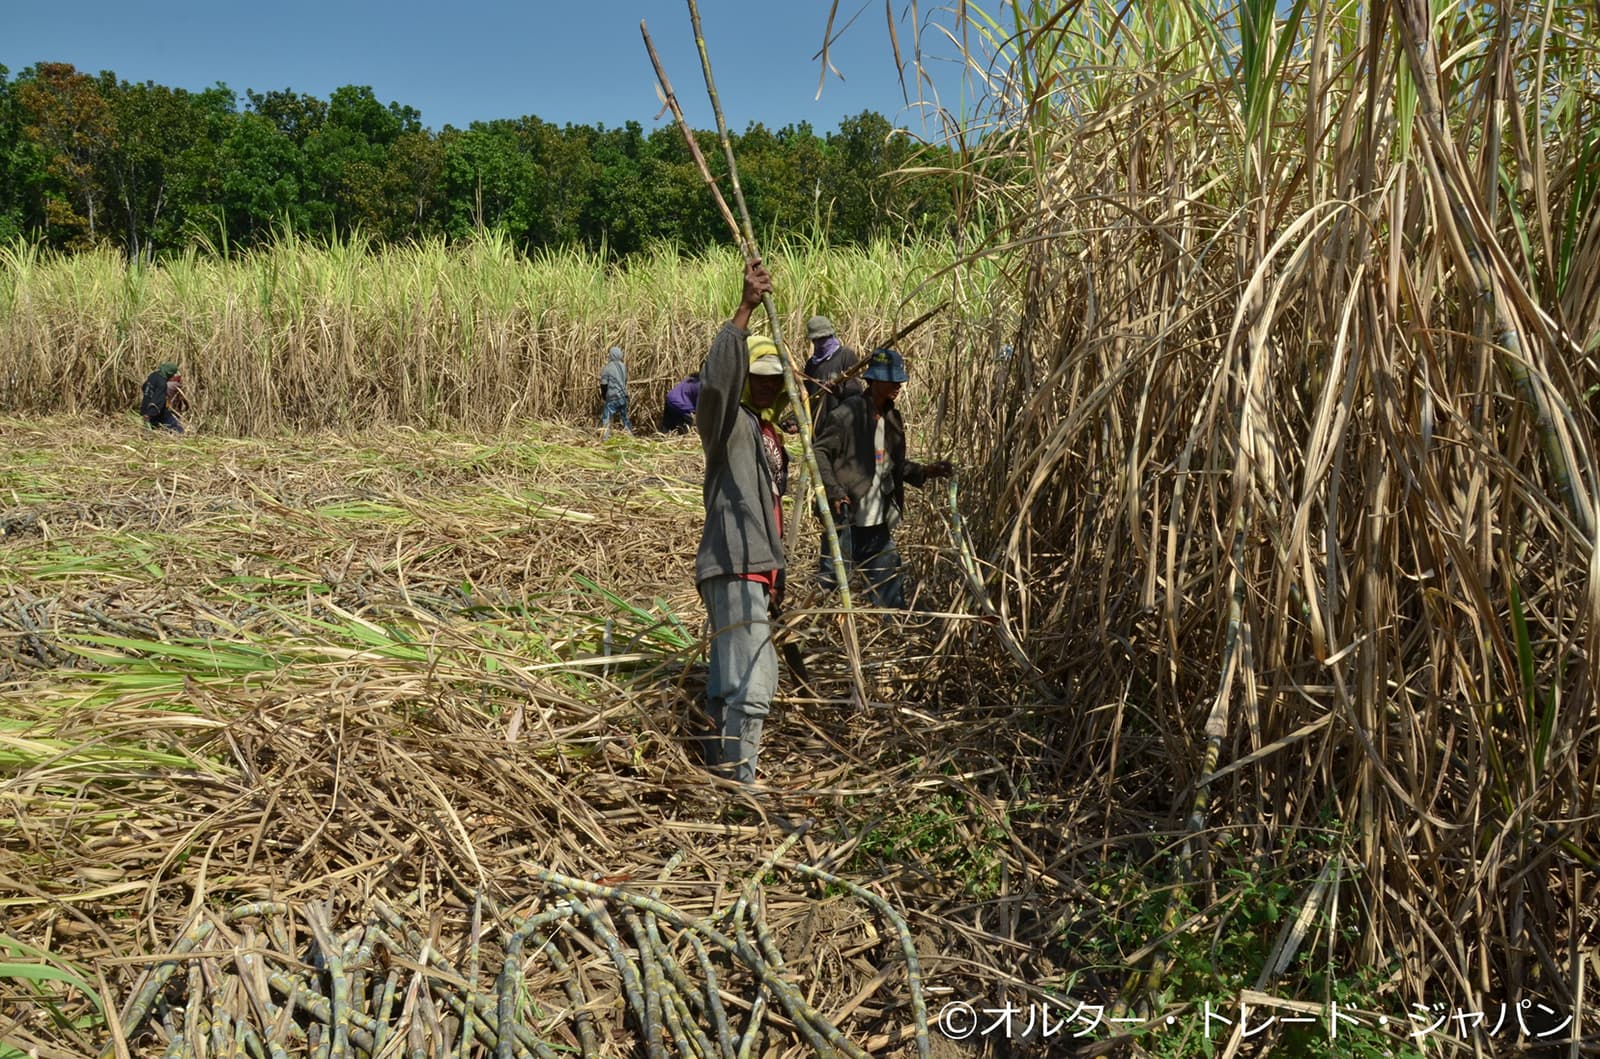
<point x="739" y="567"/>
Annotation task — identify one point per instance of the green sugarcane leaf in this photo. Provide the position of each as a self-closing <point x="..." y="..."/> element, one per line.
<point x="1525" y="661"/>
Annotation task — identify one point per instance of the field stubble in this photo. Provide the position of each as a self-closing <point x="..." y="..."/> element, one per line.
<point x="378" y="682"/>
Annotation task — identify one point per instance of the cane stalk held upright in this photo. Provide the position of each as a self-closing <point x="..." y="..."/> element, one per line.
<point x="744" y="234"/>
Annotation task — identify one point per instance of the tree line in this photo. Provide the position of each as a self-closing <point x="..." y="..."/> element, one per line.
<point x="94" y="160"/>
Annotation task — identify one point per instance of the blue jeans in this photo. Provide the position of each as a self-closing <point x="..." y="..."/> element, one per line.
<point x="743" y="676"/>
<point x="167" y="419"/>
<point x="870" y="552"/>
<point x="615" y="406"/>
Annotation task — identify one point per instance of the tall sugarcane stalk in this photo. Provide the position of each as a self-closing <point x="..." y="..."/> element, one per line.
<point x="744" y="234"/>
<point x="1474" y="249"/>
<point x="797" y="395"/>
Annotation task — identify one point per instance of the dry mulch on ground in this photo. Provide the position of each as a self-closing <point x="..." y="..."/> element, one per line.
<point x="322" y="743"/>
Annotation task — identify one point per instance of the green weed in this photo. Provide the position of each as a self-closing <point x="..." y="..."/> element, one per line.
<point x="40" y="976"/>
<point x="944" y="833"/>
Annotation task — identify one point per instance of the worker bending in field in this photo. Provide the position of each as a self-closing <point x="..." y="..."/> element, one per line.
<point x="161" y="398"/>
<point x="739" y="567"/>
<point x="677" y="415"/>
<point x="861" y="456"/>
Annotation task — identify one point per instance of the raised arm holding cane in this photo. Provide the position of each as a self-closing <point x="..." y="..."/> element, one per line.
<point x="745" y="237"/>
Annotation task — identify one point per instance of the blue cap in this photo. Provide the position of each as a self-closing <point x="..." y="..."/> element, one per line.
<point x="886" y="365"/>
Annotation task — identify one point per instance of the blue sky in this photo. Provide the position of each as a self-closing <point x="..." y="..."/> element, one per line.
<point x="457" y="63"/>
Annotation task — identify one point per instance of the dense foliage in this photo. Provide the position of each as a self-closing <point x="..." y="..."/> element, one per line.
<point x="1291" y="475"/>
<point x="93" y="161"/>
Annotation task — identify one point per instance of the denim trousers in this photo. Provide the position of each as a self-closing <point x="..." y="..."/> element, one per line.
<point x="616" y="406"/>
<point x="870" y="552"/>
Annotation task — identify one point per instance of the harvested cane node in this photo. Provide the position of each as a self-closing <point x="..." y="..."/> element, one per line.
<point x="632" y="987"/>
<point x="333" y="956"/>
<point x="482" y="1009"/>
<point x="146" y="996"/>
<point x="719" y="1015"/>
<point x="678" y="979"/>
<point x="269" y="1047"/>
<point x="794" y="1005"/>
<point x="651" y="985"/>
<point x="919" y="1007"/>
<point x="811" y="1029"/>
<point x="764" y="939"/>
<point x="472" y="973"/>
<point x="358" y="957"/>
<point x="752" y="1029"/>
<point x="675" y="974"/>
<point x="587" y="1041"/>
<point x="321" y="1008"/>
<point x="385" y="1006"/>
<point x="674" y="1011"/>
<point x="479" y="1021"/>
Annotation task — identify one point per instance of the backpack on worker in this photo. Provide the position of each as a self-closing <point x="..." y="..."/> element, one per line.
<point x="154" y="399"/>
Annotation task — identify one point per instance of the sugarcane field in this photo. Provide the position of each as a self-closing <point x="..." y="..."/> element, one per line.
<point x="1136" y="595"/>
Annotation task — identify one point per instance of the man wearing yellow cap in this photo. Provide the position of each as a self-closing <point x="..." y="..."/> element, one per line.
<point x="739" y="567"/>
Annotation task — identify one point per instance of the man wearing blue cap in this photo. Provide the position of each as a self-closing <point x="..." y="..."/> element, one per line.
<point x="861" y="456"/>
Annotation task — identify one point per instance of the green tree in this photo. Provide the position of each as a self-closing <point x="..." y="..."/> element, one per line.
<point x="857" y="157"/>
<point x="22" y="173"/>
<point x="198" y="175"/>
<point x="621" y="215"/>
<point x="695" y="222"/>
<point x="414" y="186"/>
<point x="295" y="116"/>
<point x="261" y="186"/>
<point x="487" y="181"/>
<point x="160" y="168"/>
<point x="774" y="171"/>
<point x="347" y="159"/>
<point x="566" y="173"/>
<point x="862" y="184"/>
<point x="806" y="154"/>
<point x="83" y="160"/>
<point x="64" y="113"/>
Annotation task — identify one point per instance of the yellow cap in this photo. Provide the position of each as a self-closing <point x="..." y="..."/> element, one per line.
<point x="764" y="358"/>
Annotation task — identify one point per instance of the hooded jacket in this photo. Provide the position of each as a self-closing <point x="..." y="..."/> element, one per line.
<point x="741" y="530"/>
<point x="846" y="451"/>
<point x="157" y="391"/>
<point x="830" y="359"/>
<point x="614" y="377"/>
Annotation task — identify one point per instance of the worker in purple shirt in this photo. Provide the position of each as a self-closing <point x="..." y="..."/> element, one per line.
<point x="678" y="415"/>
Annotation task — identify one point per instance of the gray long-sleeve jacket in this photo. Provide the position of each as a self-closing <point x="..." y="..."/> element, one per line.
<point x="846" y="452"/>
<point x="741" y="531"/>
<point x="614" y="376"/>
